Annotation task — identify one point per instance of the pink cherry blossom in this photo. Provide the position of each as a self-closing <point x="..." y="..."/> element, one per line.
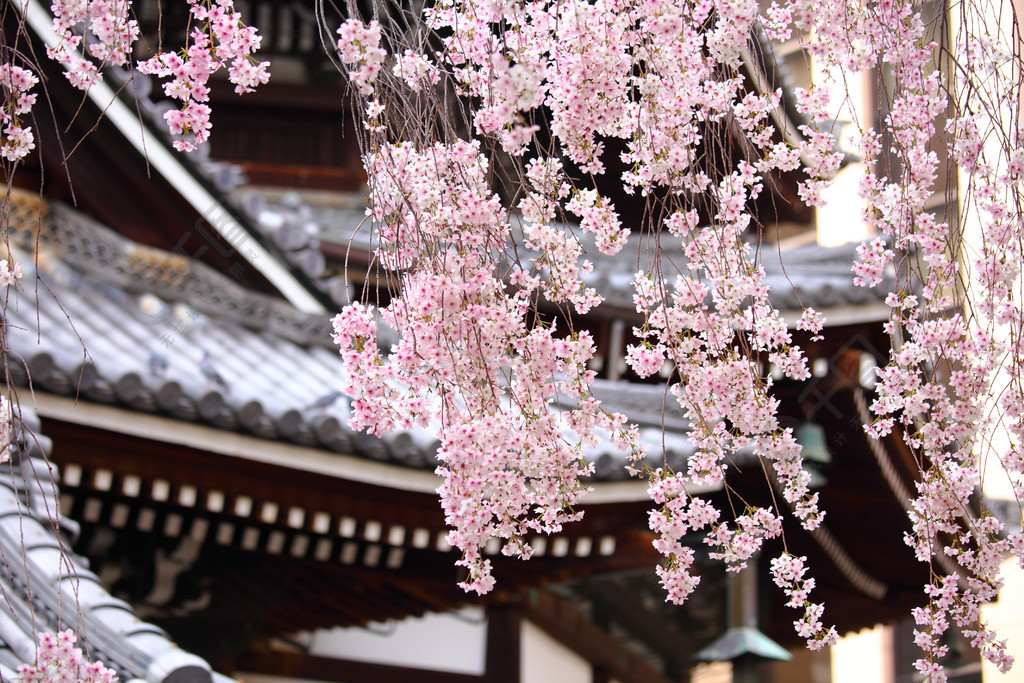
<point x="536" y="96"/>
<point x="58" y="659"/>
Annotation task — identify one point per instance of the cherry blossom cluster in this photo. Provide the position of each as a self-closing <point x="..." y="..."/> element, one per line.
<point x="950" y="605"/>
<point x="59" y="660"/>
<point x="359" y="47"/>
<point x="16" y="139"/>
<point x="547" y="87"/>
<point x="104" y="27"/>
<point x="788" y="573"/>
<point x="469" y="363"/>
<point x="10" y="273"/>
<point x="94" y="34"/>
<point x="678" y="515"/>
<point x="653" y="75"/>
<point x="941" y="416"/>
<point x="559" y="254"/>
<point x="218" y="39"/>
<point x="416" y="71"/>
<point x="694" y="324"/>
<point x="738" y="545"/>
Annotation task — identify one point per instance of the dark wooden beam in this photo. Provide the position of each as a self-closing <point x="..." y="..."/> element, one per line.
<point x="504" y="643"/>
<point x="616" y="599"/>
<point x="148" y="459"/>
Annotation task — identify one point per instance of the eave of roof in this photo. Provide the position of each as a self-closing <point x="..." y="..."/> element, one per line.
<point x="234" y="444"/>
<point x="93" y="329"/>
<point x="171" y="168"/>
<point x="46" y="587"/>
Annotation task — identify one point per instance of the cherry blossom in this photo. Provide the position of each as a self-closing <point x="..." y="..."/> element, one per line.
<point x="657" y="75"/>
<point x="58" y="659"/>
<point x="95" y="34"/>
<point x="104" y="27"/>
<point x="788" y="573"/>
<point x="469" y="364"/>
<point x="488" y="213"/>
<point x="359" y="46"/>
<point x="16" y="139"/>
<point x="219" y="39"/>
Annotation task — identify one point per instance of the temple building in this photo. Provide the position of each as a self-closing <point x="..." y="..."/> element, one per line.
<point x="172" y="335"/>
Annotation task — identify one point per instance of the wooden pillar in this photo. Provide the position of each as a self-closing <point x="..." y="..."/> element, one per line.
<point x="504" y="629"/>
<point x="743" y="612"/>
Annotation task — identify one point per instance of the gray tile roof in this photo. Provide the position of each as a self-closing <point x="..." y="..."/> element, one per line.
<point x="76" y="333"/>
<point x="115" y="323"/>
<point x="112" y="322"/>
<point x="91" y="329"/>
<point x="813" y="275"/>
<point x="48" y="588"/>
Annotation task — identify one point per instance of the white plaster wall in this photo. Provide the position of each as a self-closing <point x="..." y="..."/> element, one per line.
<point x="712" y="672"/>
<point x="863" y="656"/>
<point x="544" y="660"/>
<point x="441" y="642"/>
<point x="1007" y="618"/>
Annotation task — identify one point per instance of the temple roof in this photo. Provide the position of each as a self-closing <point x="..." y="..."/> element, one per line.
<point x="807" y="275"/>
<point x="154" y="351"/>
<point x="157" y="332"/>
<point x="154" y="332"/>
<point x="46" y="587"/>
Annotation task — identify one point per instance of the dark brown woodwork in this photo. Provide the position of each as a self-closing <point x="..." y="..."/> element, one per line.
<point x="504" y="643"/>
<point x="94" y="448"/>
<point x="289" y="136"/>
<point x="256" y="592"/>
<point x="301" y="176"/>
<point x="613" y="596"/>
